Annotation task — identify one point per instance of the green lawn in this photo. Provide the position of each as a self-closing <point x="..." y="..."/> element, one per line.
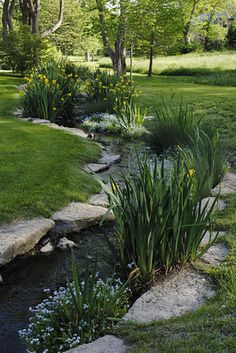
<point x="216" y="104"/>
<point x="39" y="167"/>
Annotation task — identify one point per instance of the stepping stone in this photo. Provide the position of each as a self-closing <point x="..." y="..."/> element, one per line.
<point x="40" y="121"/>
<point x="177" y="294"/>
<point x="109" y="159"/>
<point x="227" y="186"/>
<point x="77" y="216"/>
<point x="215" y="254"/>
<point x="106" y="344"/>
<point x="20" y="237"/>
<point x="72" y="131"/>
<point x="219" y="206"/>
<point x="98" y="200"/>
<point x="95" y="168"/>
<point x="206" y="238"/>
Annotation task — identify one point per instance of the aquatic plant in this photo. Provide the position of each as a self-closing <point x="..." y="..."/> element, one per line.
<point x="160" y="221"/>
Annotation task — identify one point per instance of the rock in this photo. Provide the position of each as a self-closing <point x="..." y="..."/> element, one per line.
<point x="227" y="186"/>
<point x="219" y="206"/>
<point x="177" y="294"/>
<point x="18" y="112"/>
<point x="65" y="243"/>
<point x="22" y="87"/>
<point x="109" y="159"/>
<point x="215" y="254"/>
<point x="40" y="121"/>
<point x="206" y="238"/>
<point x="70" y="130"/>
<point x="95" y="168"/>
<point x="106" y="344"/>
<point x="47" y="249"/>
<point x="98" y="200"/>
<point x="1" y="279"/>
<point x="20" y="237"/>
<point x="77" y="216"/>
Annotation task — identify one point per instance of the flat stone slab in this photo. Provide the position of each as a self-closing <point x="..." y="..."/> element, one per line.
<point x="72" y="131"/>
<point x="177" y="294"/>
<point x="227" y="186"/>
<point x="110" y="159"/>
<point x="20" y="237"/>
<point x="98" y="200"/>
<point x="219" y="206"/>
<point x="95" y="168"/>
<point x="40" y="121"/>
<point x="77" y="216"/>
<point x="106" y="344"/>
<point x="206" y="238"/>
<point x="215" y="254"/>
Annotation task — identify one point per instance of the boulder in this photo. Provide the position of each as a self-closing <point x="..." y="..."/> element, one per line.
<point x="40" y="121"/>
<point x="209" y="201"/>
<point x="109" y="159"/>
<point x="106" y="344"/>
<point x="21" y="237"/>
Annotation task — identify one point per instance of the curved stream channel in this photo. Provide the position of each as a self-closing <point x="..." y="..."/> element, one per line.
<point x="27" y="277"/>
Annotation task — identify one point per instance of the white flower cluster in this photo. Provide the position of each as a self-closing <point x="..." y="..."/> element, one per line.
<point x="51" y="330"/>
<point x="101" y="122"/>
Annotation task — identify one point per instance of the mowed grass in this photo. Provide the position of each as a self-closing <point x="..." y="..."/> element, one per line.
<point x="39" y="167"/>
<point x="215" y="104"/>
<point x="190" y="63"/>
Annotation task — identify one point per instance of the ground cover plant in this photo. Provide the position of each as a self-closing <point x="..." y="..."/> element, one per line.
<point x="32" y="185"/>
<point x="76" y="314"/>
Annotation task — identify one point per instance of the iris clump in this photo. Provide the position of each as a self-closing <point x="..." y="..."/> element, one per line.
<point x="160" y="220"/>
<point x="76" y="314"/>
<point x="51" y="93"/>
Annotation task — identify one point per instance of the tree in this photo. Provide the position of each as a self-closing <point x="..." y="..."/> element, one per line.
<point x="114" y="13"/>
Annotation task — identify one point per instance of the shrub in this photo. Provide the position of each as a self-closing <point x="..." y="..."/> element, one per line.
<point x="160" y="222"/>
<point x="81" y="72"/>
<point x="50" y="93"/>
<point x="173" y="127"/>
<point x="77" y="314"/>
<point x="21" y="51"/>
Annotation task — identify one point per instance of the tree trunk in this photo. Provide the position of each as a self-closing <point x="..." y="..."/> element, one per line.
<point x="151" y="54"/>
<point x="131" y="62"/>
<point x="34" y="11"/>
<point x="118" y="55"/>
<point x="187" y="27"/>
<point x="7" y="13"/>
<point x="87" y="56"/>
<point x="59" y="22"/>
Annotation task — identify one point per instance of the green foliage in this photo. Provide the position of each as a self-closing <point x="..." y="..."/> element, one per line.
<point x="221" y="78"/>
<point x="160" y="220"/>
<point x="21" y="51"/>
<point x="77" y="314"/>
<point x="208" y="159"/>
<point x="231" y="36"/>
<point x="173" y="126"/>
<point x="81" y="72"/>
<point x="51" y="93"/>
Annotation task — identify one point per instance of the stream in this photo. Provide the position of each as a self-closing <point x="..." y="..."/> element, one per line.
<point x="26" y="277"/>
